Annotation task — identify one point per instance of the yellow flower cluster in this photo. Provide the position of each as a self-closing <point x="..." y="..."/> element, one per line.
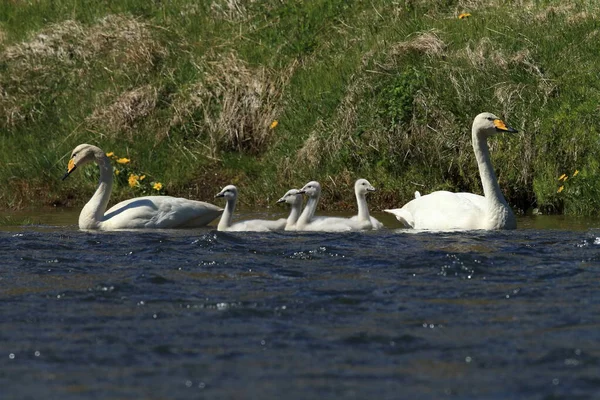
<point x="563" y="178"/>
<point x="464" y="15"/>
<point x="133" y="180"/>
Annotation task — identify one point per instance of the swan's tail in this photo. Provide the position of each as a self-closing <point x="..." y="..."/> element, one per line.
<point x="403" y="216"/>
<point x="417" y="194"/>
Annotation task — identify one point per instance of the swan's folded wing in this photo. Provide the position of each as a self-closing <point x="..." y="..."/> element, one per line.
<point x="335" y="224"/>
<point x="161" y="212"/>
<point x="446" y="211"/>
<point x="258" y="225"/>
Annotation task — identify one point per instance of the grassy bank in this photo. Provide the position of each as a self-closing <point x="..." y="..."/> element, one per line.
<point x="377" y="89"/>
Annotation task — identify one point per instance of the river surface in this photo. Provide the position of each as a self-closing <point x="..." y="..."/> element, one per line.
<point x="381" y="315"/>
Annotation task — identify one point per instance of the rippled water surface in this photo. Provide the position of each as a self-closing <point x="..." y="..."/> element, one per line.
<point x="382" y="315"/>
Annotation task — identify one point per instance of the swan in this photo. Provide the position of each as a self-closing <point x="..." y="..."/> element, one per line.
<point x="361" y="188"/>
<point x="308" y="222"/>
<point x="462" y="211"/>
<point x="293" y="197"/>
<point x="150" y="212"/>
<point x="230" y="193"/>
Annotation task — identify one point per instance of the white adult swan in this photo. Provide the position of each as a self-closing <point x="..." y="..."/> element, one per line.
<point x="461" y="211"/>
<point x="150" y="212"/>
<point x="362" y="221"/>
<point x="230" y="192"/>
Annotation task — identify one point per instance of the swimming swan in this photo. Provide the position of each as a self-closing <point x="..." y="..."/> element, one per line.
<point x="361" y="188"/>
<point x="362" y="221"/>
<point x="293" y="197"/>
<point x="230" y="192"/>
<point x="455" y="211"/>
<point x="150" y="212"/>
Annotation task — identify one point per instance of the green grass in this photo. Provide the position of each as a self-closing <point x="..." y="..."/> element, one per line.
<point x="378" y="89"/>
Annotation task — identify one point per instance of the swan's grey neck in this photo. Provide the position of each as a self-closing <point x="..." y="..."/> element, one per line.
<point x="309" y="211"/>
<point x="294" y="213"/>
<point x="225" y="221"/>
<point x="363" y="208"/>
<point x="92" y="214"/>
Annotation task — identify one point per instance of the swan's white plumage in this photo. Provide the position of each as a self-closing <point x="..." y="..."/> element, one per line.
<point x="230" y="194"/>
<point x="150" y="212"/>
<point x="461" y="211"/>
<point x="362" y="221"/>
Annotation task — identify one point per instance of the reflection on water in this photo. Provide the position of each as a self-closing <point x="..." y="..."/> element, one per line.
<point x="69" y="216"/>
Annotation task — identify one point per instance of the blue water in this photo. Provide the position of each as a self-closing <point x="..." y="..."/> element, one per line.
<point x="382" y="315"/>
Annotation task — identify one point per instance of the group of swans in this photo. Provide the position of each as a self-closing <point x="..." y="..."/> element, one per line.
<point x="436" y="211"/>
<point x="305" y="221"/>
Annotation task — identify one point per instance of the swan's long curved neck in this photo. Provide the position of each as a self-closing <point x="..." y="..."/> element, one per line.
<point x="363" y="208"/>
<point x="225" y="221"/>
<point x="92" y="214"/>
<point x="309" y="211"/>
<point x="294" y="213"/>
<point x="491" y="188"/>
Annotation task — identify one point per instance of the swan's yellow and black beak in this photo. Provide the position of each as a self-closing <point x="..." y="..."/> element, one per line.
<point x="501" y="126"/>
<point x="70" y="168"/>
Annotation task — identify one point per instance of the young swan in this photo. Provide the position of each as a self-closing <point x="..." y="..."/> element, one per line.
<point x="361" y="188"/>
<point x="462" y="211"/>
<point x="308" y="222"/>
<point x="254" y="225"/>
<point x="294" y="198"/>
<point x="149" y="212"/>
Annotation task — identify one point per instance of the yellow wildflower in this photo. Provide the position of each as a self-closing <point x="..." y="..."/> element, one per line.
<point x="123" y="160"/>
<point x="111" y="154"/>
<point x="117" y="172"/>
<point x="575" y="173"/>
<point x="133" y="180"/>
<point x="157" y="186"/>
<point x="273" y="124"/>
<point x="464" y="15"/>
<point x="563" y="177"/>
<point x="560" y="189"/>
<point x="142" y="177"/>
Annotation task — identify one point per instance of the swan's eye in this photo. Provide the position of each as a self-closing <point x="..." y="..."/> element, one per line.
<point x="490" y="118"/>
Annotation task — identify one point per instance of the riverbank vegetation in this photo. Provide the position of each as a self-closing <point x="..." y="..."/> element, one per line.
<point x="268" y="95"/>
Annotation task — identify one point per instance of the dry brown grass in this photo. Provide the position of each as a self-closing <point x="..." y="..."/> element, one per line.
<point x="117" y="41"/>
<point x="428" y="43"/>
<point x="483" y="54"/>
<point x="230" y="10"/>
<point x="233" y="106"/>
<point x="123" y="113"/>
<point x="126" y="38"/>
